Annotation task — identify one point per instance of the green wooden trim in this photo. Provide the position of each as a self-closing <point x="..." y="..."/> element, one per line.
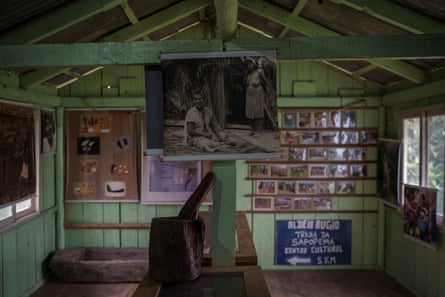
<point x="298" y="48"/>
<point x="432" y="89"/>
<point x="16" y="94"/>
<point x="103" y="102"/>
<point x="60" y="218"/>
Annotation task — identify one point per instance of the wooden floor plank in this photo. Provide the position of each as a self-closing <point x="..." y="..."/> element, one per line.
<point x="281" y="283"/>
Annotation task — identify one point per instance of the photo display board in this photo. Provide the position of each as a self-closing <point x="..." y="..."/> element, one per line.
<point x="324" y="154"/>
<point x="313" y="242"/>
<point x="101" y="155"/>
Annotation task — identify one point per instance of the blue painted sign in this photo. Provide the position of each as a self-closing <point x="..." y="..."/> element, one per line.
<point x="313" y="242"/>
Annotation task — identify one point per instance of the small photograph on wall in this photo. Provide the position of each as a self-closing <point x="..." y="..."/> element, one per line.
<point x="326" y="187"/>
<point x="262" y="203"/>
<point x="297" y="154"/>
<point x="337" y="154"/>
<point x="330" y="137"/>
<point x="300" y="171"/>
<point x="334" y="119"/>
<point x="283" y="203"/>
<point x="349" y="137"/>
<point x="96" y="123"/>
<point x="322" y="203"/>
<point x="320" y="120"/>
<point x="304" y="119"/>
<point x="310" y="137"/>
<point x="349" y="119"/>
<point x="289" y="137"/>
<point x="338" y="170"/>
<point x="278" y="170"/>
<point x="419" y="211"/>
<point x="358" y="170"/>
<point x="286" y="187"/>
<point x="302" y="203"/>
<point x="307" y="187"/>
<point x="318" y="170"/>
<point x="258" y="170"/>
<point x="220" y="105"/>
<point x="356" y="154"/>
<point x="317" y="153"/>
<point x="289" y="120"/>
<point x="48" y="120"/>
<point x="369" y="137"/>
<point x="266" y="187"/>
<point x="345" y="187"/>
<point x="88" y="145"/>
<point x="89" y="166"/>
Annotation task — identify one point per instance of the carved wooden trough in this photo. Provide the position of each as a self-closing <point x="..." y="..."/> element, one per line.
<point x="100" y="264"/>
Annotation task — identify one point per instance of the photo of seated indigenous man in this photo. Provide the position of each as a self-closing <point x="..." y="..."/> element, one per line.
<point x="201" y="129"/>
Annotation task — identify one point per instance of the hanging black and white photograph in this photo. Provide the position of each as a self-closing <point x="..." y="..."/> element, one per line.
<point x="220" y="106"/>
<point x="48" y="119"/>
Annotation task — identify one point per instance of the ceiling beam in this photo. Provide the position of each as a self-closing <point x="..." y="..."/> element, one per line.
<point x="57" y="20"/>
<point x="297" y="23"/>
<point x="158" y="20"/>
<point x="298" y="48"/>
<point x="396" y="15"/>
<point x="137" y="30"/>
<point x="226" y="18"/>
<point x="296" y="11"/>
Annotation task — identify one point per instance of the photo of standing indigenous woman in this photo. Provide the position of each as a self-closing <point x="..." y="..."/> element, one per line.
<point x="233" y="100"/>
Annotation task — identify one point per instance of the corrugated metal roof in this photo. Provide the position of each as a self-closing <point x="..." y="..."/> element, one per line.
<point x="334" y="17"/>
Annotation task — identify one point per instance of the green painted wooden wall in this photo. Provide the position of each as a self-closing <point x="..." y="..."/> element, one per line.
<point x="377" y="237"/>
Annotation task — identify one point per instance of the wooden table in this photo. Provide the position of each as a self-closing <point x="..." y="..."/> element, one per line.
<point x="254" y="281"/>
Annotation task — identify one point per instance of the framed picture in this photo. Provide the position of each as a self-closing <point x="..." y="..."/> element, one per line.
<point x="310" y="137"/>
<point x="317" y="153"/>
<point x="388" y="170"/>
<point x="283" y="154"/>
<point x="304" y="119"/>
<point x="262" y="203"/>
<point x="48" y="130"/>
<point x="296" y="154"/>
<point x="357" y="154"/>
<point x="289" y="120"/>
<point x="326" y="187"/>
<point x="358" y="170"/>
<point x="289" y="137"/>
<point x="278" y="170"/>
<point x="330" y="137"/>
<point x="369" y="137"/>
<point x="302" y="203"/>
<point x="172" y="182"/>
<point x="318" y="170"/>
<point x="348" y="119"/>
<point x="419" y="212"/>
<point x="337" y="154"/>
<point x="286" y="187"/>
<point x="322" y="203"/>
<point x="320" y="119"/>
<point x="266" y="187"/>
<point x="334" y="119"/>
<point x="282" y="203"/>
<point x="307" y="187"/>
<point x="338" y="170"/>
<point x="258" y="170"/>
<point x="298" y="171"/>
<point x="349" y="137"/>
<point x="345" y="187"/>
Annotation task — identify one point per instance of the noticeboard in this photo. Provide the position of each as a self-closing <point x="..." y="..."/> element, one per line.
<point x="313" y="242"/>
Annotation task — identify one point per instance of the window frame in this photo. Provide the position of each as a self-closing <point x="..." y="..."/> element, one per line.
<point x="17" y="217"/>
<point x="423" y="113"/>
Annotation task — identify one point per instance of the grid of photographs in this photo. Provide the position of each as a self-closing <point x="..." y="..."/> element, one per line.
<point x="323" y="154"/>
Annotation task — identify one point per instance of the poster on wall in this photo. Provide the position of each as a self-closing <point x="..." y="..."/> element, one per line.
<point x="101" y="155"/>
<point x="313" y="242"/>
<point x="388" y="179"/>
<point x="48" y="131"/>
<point x="17" y="153"/>
<point x="220" y="106"/>
<point x="419" y="212"/>
<point x="169" y="182"/>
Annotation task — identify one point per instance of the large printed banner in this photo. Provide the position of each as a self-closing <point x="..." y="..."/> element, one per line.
<point x="313" y="242"/>
<point x="220" y="106"/>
